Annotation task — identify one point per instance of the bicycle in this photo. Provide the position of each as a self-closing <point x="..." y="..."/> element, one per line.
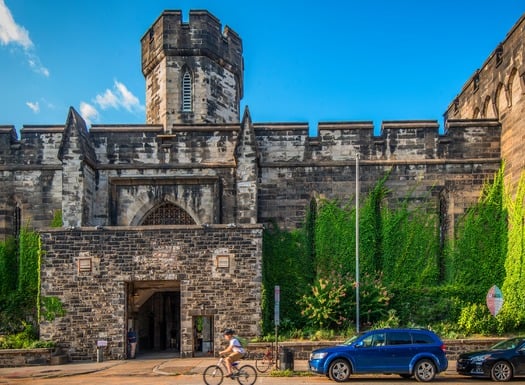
<point x="214" y="375"/>
<point x="266" y="361"/>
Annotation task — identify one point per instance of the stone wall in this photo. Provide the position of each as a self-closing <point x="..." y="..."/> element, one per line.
<point x="96" y="301"/>
<point x="10" y="358"/>
<point x="421" y="163"/>
<point x="302" y="350"/>
<point x="496" y="91"/>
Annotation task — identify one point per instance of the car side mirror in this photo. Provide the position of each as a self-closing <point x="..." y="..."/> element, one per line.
<point x="359" y="344"/>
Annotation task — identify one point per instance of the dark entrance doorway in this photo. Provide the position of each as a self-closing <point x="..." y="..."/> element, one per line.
<point x="202" y="336"/>
<point x="154" y="313"/>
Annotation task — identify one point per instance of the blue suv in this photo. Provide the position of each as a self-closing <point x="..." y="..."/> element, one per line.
<point x="407" y="352"/>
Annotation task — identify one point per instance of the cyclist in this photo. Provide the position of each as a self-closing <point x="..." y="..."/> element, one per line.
<point x="234" y="350"/>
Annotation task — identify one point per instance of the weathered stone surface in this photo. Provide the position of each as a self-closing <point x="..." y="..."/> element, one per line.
<point x="496" y="91"/>
<point x="97" y="304"/>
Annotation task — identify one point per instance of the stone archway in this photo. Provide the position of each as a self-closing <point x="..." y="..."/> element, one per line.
<point x="154" y="313"/>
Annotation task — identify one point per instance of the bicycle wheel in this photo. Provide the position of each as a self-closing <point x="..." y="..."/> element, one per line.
<point x="263" y="364"/>
<point x="213" y="375"/>
<point x="247" y="375"/>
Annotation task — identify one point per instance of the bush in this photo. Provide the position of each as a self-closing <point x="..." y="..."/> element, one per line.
<point x="476" y="319"/>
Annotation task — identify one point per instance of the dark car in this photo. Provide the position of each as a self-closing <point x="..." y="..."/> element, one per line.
<point x="407" y="352"/>
<point x="501" y="362"/>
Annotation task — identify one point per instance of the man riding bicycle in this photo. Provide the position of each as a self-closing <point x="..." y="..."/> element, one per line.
<point x="234" y="350"/>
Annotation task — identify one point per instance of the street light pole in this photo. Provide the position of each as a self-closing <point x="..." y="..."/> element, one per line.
<point x="357" y="242"/>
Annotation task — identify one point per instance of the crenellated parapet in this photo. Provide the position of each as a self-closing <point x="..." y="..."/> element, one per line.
<point x="194" y="71"/>
<point x="203" y="35"/>
<point x="399" y="141"/>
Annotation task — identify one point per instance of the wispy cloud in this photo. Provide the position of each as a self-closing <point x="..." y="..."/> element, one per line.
<point x="34" y="106"/>
<point x="88" y="112"/>
<point x="119" y="97"/>
<point x="13" y="34"/>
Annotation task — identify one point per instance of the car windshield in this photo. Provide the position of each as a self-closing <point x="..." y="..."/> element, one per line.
<point x="351" y="340"/>
<point x="507" y="344"/>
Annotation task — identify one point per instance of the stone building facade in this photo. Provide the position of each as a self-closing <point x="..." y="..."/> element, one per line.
<point x="497" y="91"/>
<point x="162" y="222"/>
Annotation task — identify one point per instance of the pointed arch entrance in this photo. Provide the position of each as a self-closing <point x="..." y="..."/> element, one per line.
<point x="167" y="213"/>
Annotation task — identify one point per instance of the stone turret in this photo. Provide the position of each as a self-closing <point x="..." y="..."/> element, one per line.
<point x="194" y="71"/>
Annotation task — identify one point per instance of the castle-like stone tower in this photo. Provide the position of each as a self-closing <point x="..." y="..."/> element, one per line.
<point x="193" y="70"/>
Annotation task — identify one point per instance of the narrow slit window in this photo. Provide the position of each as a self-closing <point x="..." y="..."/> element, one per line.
<point x="186" y="92"/>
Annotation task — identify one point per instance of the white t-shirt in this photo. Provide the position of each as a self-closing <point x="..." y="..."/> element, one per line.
<point x="236" y="346"/>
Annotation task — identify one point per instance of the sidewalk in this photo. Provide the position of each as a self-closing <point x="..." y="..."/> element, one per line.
<point x="149" y="364"/>
<point x="146" y="365"/>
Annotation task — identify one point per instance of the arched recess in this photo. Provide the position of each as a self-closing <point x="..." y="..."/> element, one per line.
<point x="515" y="87"/>
<point x="502" y="102"/>
<point x="477" y="113"/>
<point x="11" y="218"/>
<point x="488" y="109"/>
<point x="167" y="213"/>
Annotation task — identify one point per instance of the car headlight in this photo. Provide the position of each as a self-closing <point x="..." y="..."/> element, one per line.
<point x="318" y="356"/>
<point x="480" y="359"/>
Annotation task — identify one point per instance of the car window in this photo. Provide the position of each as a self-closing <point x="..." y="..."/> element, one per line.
<point x="375" y="339"/>
<point x="421" y="338"/>
<point x="399" y="338"/>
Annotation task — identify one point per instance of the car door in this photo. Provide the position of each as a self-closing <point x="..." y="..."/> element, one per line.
<point x="398" y="351"/>
<point x="519" y="360"/>
<point x="370" y="354"/>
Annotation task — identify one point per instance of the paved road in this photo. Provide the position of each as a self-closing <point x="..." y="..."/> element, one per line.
<point x="164" y="371"/>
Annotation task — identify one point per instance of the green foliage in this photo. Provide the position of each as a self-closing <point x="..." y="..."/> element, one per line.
<point x="332" y="301"/>
<point x="371" y="228"/>
<point x="327" y="306"/>
<point x="25" y="339"/>
<point x="8" y="267"/>
<point x="20" y="300"/>
<point x="476" y="319"/>
<point x="335" y="239"/>
<point x="513" y="311"/>
<point x="283" y="260"/>
<point x="400" y="249"/>
<point x="57" y="219"/>
<point x="410" y="247"/>
<point x="51" y="307"/>
<point x="478" y="258"/>
<point x="29" y="246"/>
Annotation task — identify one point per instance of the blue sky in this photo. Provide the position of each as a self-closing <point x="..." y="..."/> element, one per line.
<point x="305" y="61"/>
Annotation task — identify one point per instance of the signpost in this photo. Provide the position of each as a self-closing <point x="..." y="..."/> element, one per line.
<point x="276" y="316"/>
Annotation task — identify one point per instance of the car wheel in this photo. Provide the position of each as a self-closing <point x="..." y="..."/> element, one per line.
<point x="501" y="371"/>
<point x="339" y="370"/>
<point x="425" y="371"/>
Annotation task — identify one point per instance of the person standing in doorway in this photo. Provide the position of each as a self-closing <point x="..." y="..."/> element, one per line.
<point x="234" y="351"/>
<point x="132" y="341"/>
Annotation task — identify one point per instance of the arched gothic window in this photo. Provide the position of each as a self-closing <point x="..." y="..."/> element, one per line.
<point x="167" y="214"/>
<point x="17" y="221"/>
<point x="186" y="92"/>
